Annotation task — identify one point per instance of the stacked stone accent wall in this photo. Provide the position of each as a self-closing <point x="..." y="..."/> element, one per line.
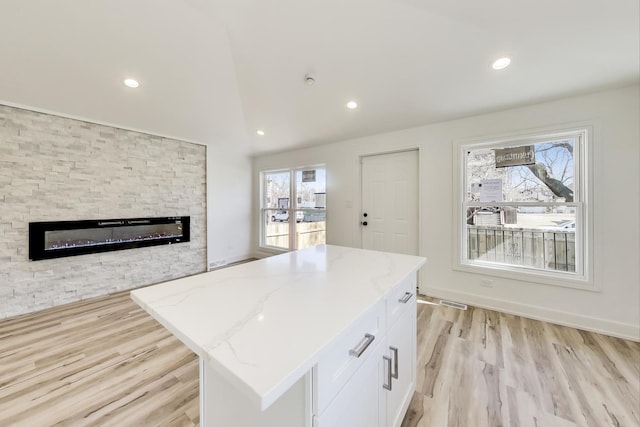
<point x="58" y="169"/>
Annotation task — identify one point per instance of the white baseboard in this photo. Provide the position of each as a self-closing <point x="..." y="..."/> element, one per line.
<point x="578" y="321"/>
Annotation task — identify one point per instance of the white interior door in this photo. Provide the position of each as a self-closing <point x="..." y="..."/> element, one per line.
<point x="389" y="217"/>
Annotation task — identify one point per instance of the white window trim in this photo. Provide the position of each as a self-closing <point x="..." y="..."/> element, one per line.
<point x="583" y="173"/>
<point x="293" y="207"/>
<point x="263" y="209"/>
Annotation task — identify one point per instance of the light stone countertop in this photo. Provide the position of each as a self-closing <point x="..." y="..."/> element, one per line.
<point x="265" y="324"/>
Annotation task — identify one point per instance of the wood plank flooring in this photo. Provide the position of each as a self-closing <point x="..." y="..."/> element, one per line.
<point x="106" y="362"/>
<point x="482" y="368"/>
<point x="102" y="361"/>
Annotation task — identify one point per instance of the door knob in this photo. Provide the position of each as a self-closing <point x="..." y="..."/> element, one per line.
<point x="364" y="223"/>
<point x="364" y="214"/>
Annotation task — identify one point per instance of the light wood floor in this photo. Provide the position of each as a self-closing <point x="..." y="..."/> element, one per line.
<point x="102" y="361"/>
<point x="106" y="362"/>
<point x="482" y="368"/>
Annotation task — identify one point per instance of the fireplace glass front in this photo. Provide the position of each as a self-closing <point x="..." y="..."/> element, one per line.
<point x="68" y="238"/>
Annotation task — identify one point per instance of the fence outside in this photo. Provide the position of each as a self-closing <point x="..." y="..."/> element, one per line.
<point x="547" y="250"/>
<point x="307" y="234"/>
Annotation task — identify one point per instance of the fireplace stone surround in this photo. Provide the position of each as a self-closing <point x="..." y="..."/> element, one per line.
<point x="54" y="168"/>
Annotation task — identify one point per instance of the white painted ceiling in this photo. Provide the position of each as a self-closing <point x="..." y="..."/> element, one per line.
<point x="215" y="71"/>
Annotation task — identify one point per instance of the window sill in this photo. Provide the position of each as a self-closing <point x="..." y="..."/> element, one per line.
<point x="529" y="275"/>
<point x="267" y="251"/>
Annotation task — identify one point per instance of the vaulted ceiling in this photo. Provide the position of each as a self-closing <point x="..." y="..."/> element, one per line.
<point x="215" y="71"/>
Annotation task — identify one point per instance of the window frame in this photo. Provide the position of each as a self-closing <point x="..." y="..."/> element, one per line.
<point x="583" y="184"/>
<point x="293" y="205"/>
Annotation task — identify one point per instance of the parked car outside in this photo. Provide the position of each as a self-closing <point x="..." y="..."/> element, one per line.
<point x="564" y="226"/>
<point x="283" y="216"/>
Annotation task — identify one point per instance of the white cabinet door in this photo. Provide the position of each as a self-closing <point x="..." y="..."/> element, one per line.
<point x="400" y="348"/>
<point x="357" y="404"/>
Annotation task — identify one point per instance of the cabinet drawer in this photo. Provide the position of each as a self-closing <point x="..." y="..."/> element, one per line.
<point x="400" y="299"/>
<point x="358" y="403"/>
<point x="341" y="361"/>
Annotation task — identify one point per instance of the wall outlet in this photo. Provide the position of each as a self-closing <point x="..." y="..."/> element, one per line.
<point x="486" y="283"/>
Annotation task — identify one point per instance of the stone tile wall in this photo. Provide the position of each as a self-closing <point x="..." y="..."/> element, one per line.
<point x="57" y="169"/>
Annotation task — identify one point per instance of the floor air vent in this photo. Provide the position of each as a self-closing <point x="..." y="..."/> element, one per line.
<point x="453" y="304"/>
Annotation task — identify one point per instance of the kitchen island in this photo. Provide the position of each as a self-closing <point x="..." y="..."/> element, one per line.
<point x="299" y="339"/>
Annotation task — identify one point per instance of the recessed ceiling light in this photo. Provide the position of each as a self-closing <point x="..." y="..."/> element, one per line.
<point x="131" y="83"/>
<point x="501" y="63"/>
<point x="260" y="132"/>
<point x="352" y="105"/>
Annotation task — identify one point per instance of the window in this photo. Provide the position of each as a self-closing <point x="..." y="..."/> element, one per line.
<point x="523" y="208"/>
<point x="296" y="222"/>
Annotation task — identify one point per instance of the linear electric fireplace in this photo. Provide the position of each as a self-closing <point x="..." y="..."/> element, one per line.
<point x="68" y="238"/>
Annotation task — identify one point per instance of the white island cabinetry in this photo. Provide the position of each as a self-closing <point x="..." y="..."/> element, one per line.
<point x="382" y="385"/>
<point x="322" y="337"/>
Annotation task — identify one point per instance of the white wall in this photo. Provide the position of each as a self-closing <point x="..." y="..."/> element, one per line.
<point x="614" y="309"/>
<point x="228" y="205"/>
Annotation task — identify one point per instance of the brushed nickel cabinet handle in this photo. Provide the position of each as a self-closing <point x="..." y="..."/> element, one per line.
<point x="387" y="385"/>
<point x="394" y="373"/>
<point x="362" y="345"/>
<point x="405" y="299"/>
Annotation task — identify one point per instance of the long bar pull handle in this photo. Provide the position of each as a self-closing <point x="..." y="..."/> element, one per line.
<point x="387" y="385"/>
<point x="405" y="299"/>
<point x="394" y="373"/>
<point x="362" y="345"/>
